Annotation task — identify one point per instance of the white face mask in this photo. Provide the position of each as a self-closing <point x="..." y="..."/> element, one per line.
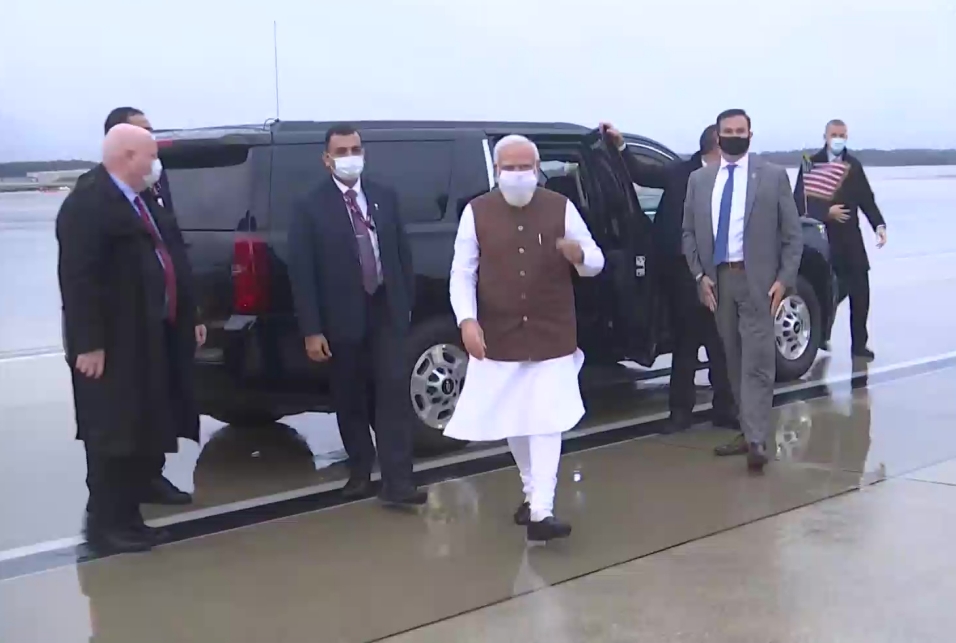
<point x="349" y="168"/>
<point x="155" y="171"/>
<point x="518" y="187"/>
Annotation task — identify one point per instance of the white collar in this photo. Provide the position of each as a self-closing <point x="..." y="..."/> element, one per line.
<point x="344" y="188"/>
<point x="741" y="163"/>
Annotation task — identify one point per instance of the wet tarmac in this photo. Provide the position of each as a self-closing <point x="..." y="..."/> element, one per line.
<point x="846" y="538"/>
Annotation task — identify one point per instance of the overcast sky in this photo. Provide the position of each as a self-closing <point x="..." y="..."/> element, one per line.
<point x="662" y="69"/>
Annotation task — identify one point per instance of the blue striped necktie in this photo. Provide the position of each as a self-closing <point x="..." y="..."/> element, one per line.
<point x="722" y="242"/>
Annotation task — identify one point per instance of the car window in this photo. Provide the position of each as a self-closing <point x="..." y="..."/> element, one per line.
<point x="419" y="172"/>
<point x="211" y="187"/>
<point x="650" y="198"/>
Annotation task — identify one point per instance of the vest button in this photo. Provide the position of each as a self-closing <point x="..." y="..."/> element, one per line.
<point x="521" y="273"/>
<point x="521" y="250"/>
<point x="524" y="296"/>
<point x="525" y="318"/>
<point x="520" y="228"/>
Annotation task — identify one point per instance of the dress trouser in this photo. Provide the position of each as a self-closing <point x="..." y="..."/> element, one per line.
<point x="538" y="458"/>
<point x="694" y="326"/>
<point x="367" y="386"/>
<point x="746" y="327"/>
<point x="855" y="282"/>
<point x="116" y="485"/>
<point x="155" y="463"/>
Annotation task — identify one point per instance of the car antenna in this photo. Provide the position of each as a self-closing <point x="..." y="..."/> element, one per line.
<point x="275" y="62"/>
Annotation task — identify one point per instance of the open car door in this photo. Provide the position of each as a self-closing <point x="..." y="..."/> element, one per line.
<point x="628" y="250"/>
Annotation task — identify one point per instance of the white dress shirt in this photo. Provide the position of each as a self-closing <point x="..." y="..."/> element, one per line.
<point x="464" y="266"/>
<point x="738" y="205"/>
<point x="363" y="206"/>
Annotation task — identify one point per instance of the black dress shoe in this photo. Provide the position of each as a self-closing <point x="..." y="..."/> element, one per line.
<point x="357" y="487"/>
<point x="523" y="514"/>
<point x="737" y="446"/>
<point x="156" y="535"/>
<point x="757" y="457"/>
<point x="679" y="421"/>
<point x="409" y="498"/>
<point x="863" y="353"/>
<point x="119" y="541"/>
<point x="725" y="420"/>
<point x="548" y="529"/>
<point x="161" y="491"/>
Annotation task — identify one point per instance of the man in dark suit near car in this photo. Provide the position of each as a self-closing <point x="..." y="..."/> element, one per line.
<point x="692" y="324"/>
<point x="353" y="283"/>
<point x="129" y="334"/>
<point x="833" y="188"/>
<point x="160" y="490"/>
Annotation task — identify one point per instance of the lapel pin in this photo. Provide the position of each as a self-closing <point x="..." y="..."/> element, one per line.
<point x="376" y="206"/>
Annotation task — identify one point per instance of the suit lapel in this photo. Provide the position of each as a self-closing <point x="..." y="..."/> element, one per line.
<point x="753" y="167"/>
<point x="710" y="181"/>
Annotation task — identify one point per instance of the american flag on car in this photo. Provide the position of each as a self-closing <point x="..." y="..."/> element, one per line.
<point x="822" y="180"/>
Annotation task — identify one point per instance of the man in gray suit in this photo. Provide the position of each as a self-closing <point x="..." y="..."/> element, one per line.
<point x="743" y="243"/>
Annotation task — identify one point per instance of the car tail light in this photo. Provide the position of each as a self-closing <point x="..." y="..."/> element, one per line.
<point x="250" y="275"/>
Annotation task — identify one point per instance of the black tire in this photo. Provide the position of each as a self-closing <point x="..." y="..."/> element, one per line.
<point x="247" y="419"/>
<point x="789" y="369"/>
<point x="441" y="331"/>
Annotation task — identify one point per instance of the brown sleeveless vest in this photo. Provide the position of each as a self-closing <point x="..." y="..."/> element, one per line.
<point x="525" y="293"/>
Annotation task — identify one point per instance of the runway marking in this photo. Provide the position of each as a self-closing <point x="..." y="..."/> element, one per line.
<point x="30" y="353"/>
<point x="451" y="460"/>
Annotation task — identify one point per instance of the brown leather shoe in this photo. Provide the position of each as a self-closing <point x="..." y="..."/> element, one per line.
<point x="737" y="446"/>
<point x="757" y="457"/>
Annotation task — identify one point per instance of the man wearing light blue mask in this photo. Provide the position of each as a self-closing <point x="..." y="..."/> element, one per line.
<point x="833" y="187"/>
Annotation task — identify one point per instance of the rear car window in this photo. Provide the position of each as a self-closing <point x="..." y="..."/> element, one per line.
<point x="211" y="186"/>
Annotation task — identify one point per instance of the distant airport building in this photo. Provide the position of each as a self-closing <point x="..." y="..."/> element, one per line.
<point x="56" y="177"/>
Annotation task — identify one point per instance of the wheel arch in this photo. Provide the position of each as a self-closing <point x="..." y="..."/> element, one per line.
<point x="815" y="268"/>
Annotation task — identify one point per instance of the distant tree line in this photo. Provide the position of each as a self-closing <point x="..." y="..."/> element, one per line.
<point x="873" y="158"/>
<point x="22" y="168"/>
<point x="887" y="158"/>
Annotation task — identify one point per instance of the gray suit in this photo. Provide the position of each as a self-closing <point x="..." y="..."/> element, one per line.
<point x="773" y="246"/>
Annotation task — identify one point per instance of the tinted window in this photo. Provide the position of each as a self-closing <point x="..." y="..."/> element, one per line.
<point x="419" y="171"/>
<point x="211" y="187"/>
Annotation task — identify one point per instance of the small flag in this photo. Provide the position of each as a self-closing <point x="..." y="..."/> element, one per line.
<point x="822" y="180"/>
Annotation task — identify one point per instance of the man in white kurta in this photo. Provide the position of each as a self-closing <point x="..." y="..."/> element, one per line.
<point x="512" y="294"/>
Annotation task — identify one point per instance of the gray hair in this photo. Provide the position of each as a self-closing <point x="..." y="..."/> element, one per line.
<point x="515" y="139"/>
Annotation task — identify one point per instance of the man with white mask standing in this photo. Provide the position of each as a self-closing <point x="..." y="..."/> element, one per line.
<point x="353" y="283"/>
<point x="129" y="319"/>
<point x="512" y="293"/>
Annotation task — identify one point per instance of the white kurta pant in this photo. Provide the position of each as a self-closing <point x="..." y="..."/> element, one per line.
<point x="529" y="403"/>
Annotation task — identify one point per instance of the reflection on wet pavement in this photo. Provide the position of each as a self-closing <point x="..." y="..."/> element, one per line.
<point x="461" y="553"/>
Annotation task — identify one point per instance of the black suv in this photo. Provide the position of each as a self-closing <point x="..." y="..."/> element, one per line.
<point x="234" y="190"/>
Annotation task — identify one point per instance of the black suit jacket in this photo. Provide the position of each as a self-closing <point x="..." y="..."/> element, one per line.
<point x="672" y="178"/>
<point x="325" y="270"/>
<point x="846" y="240"/>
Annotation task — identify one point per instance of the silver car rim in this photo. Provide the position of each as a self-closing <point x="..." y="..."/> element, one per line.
<point x="792" y="327"/>
<point x="436" y="383"/>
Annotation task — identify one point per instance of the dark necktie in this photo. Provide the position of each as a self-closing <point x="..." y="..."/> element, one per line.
<point x="722" y="241"/>
<point x="363" y="236"/>
<point x="166" y="260"/>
